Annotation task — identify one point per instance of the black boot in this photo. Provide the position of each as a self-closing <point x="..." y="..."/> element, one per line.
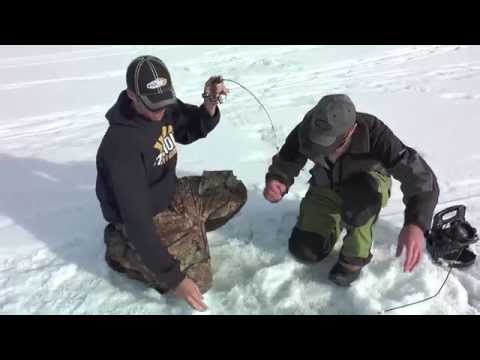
<point x="343" y="275"/>
<point x="114" y="244"/>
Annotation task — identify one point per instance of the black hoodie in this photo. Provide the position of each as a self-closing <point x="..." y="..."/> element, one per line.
<point x="136" y="178"/>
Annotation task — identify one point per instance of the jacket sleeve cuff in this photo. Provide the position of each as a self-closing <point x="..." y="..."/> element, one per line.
<point x="173" y="278"/>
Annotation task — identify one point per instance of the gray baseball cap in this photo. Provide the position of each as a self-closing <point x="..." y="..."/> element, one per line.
<point x="324" y="127"/>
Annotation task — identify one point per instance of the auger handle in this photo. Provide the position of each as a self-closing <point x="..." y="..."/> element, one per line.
<point x="439" y="220"/>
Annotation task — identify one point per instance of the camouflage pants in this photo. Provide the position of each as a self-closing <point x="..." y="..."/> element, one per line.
<point x="200" y="204"/>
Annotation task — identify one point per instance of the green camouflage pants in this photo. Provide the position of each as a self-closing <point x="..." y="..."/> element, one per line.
<point x="200" y="204"/>
<point x="325" y="212"/>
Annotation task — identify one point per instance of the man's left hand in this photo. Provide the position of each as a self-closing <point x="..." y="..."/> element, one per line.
<point x="214" y="90"/>
<point x="412" y="238"/>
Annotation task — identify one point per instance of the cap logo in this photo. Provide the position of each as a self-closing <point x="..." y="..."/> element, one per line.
<point x="157" y="83"/>
<point x="322" y="125"/>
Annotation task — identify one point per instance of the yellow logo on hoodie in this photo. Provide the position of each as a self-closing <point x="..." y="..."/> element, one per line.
<point x="166" y="145"/>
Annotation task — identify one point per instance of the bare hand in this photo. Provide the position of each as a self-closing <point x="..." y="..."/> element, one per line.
<point x="189" y="291"/>
<point x="274" y="191"/>
<point x="412" y="238"/>
<point x="214" y="92"/>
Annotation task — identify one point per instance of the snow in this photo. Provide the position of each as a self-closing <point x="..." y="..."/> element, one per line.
<point x="53" y="101"/>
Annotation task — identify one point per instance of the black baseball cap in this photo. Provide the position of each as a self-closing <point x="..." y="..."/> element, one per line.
<point x="149" y="79"/>
<point x="324" y="127"/>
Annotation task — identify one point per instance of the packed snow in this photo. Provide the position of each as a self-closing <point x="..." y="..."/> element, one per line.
<point x="53" y="100"/>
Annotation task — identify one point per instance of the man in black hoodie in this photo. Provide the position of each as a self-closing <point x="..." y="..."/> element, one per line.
<point x="157" y="222"/>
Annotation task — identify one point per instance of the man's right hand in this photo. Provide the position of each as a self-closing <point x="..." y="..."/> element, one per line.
<point x="274" y="191"/>
<point x="189" y="291"/>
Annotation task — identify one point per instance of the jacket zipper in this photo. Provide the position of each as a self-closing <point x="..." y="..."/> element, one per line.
<point x="329" y="171"/>
<point x="340" y="176"/>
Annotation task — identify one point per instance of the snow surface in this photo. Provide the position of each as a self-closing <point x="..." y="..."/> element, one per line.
<point x="53" y="101"/>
